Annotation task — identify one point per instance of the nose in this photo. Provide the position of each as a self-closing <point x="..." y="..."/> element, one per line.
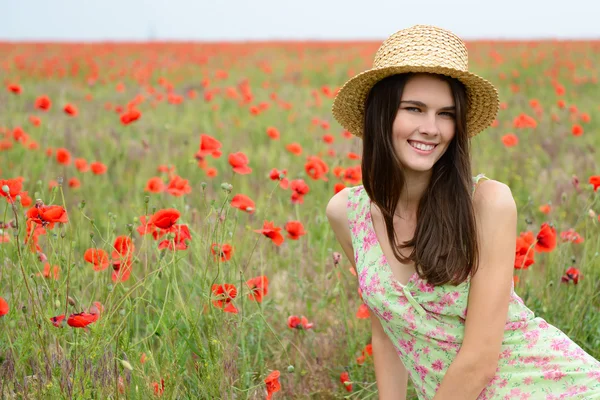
<point x="429" y="124"/>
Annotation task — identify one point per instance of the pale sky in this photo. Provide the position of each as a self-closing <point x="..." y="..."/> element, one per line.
<point x="239" y="20"/>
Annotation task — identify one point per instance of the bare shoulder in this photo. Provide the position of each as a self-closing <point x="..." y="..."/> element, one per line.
<point x="493" y="199"/>
<point x="336" y="208"/>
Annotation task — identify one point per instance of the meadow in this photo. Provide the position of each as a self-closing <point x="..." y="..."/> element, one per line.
<point x="162" y="219"/>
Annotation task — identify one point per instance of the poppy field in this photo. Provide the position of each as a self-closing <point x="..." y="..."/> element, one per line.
<point x="163" y="230"/>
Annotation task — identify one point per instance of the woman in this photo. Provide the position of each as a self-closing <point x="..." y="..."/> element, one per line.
<point x="428" y="241"/>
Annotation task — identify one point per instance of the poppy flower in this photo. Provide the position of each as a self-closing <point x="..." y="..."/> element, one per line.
<point x="47" y="216"/>
<point x="35" y="121"/>
<point x="294" y="148"/>
<point x="48" y="270"/>
<point x="577" y="130"/>
<point x="178" y="242"/>
<point x="299" y="189"/>
<point x="14" y="88"/>
<point x="178" y="186"/>
<point x="159" y="389"/>
<point x="259" y="287"/>
<point x="277" y="175"/>
<point x="367" y="351"/>
<point x="345" y="379"/>
<point x="97" y="257"/>
<point x="14" y="188"/>
<point x="81" y="164"/>
<point x="98" y="168"/>
<point x="130" y="116"/>
<point x="81" y="320"/>
<point x="123" y="247"/>
<point x="510" y="140"/>
<point x="3" y="307"/>
<point x="122" y="258"/>
<point x="58" y="321"/>
<point x="363" y="311"/>
<point x="546" y="239"/>
<point x="352" y="175"/>
<point x="595" y="181"/>
<point x="272" y="383"/>
<point x="63" y="156"/>
<point x="571" y="236"/>
<point x="43" y="103"/>
<point x="296" y="322"/>
<point x="222" y="251"/>
<point x="316" y="168"/>
<point x="338" y="187"/>
<point x="224" y="294"/>
<point x="272" y="232"/>
<point x="239" y="162"/>
<point x="74" y="183"/>
<point x="295" y="229"/>
<point x="154" y="185"/>
<point x="209" y="146"/>
<point x="71" y="110"/>
<point x="164" y="219"/>
<point x="273" y="133"/>
<point x="572" y="274"/>
<point x="244" y="203"/>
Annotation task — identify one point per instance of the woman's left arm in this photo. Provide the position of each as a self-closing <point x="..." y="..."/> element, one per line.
<point x="489" y="295"/>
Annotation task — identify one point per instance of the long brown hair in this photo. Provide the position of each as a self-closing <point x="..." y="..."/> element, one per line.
<point x="444" y="245"/>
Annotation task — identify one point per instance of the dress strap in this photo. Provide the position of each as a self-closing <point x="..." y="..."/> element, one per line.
<point x="476" y="180"/>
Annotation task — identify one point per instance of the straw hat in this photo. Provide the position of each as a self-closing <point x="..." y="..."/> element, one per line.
<point x="421" y="48"/>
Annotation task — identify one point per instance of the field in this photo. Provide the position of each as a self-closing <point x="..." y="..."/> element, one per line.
<point x="163" y="229"/>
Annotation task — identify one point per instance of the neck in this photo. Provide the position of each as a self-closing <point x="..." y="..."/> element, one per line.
<point x="415" y="185"/>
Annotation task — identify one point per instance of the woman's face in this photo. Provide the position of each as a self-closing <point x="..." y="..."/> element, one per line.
<point x="425" y="122"/>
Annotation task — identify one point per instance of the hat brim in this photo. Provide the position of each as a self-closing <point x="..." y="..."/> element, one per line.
<point x="482" y="97"/>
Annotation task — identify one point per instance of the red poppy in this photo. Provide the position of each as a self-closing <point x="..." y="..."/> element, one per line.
<point x="545" y="208"/>
<point x="273" y="133"/>
<point x="259" y="287"/>
<point x="47" y="216"/>
<point x="98" y="257"/>
<point x="546" y="239"/>
<point x="43" y="103"/>
<point x="164" y="219"/>
<point x="209" y="146"/>
<point x="122" y="258"/>
<point x="224" y="251"/>
<point x="154" y="185"/>
<point x="239" y="162"/>
<point x="58" y="321"/>
<point x="63" y="156"/>
<point x="363" y="311"/>
<point x="345" y="379"/>
<point x="81" y="164"/>
<point x="159" y="389"/>
<point x="352" y="175"/>
<point x="178" y="242"/>
<point x="244" y="203"/>
<point x="130" y="116"/>
<point x="272" y="384"/>
<point x="577" y="130"/>
<point x="294" y="148"/>
<point x="295" y="229"/>
<point x="178" y="186"/>
<point x="571" y="236"/>
<point x="595" y="181"/>
<point x="50" y="272"/>
<point x="299" y="189"/>
<point x="74" y="183"/>
<point x="35" y="121"/>
<point x="14" y="188"/>
<point x="98" y="168"/>
<point x="14" y="88"/>
<point x="338" y="187"/>
<point x="272" y="232"/>
<point x="224" y="294"/>
<point x="510" y="140"/>
<point x="296" y="322"/>
<point x="3" y="307"/>
<point x="81" y="320"/>
<point x="276" y="174"/>
<point x="572" y="274"/>
<point x="71" y="110"/>
<point x="316" y="168"/>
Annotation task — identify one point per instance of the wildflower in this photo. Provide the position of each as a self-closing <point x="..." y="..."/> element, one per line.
<point x="546" y="239"/>
<point x="70" y="110"/>
<point x="595" y="181"/>
<point x="524" y="253"/>
<point x="224" y="294"/>
<point x="58" y="321"/>
<point x="98" y="168"/>
<point x="259" y="287"/>
<point x="363" y="311"/>
<point x="63" y="156"/>
<point x="294" y="148"/>
<point x="272" y="232"/>
<point x="239" y="162"/>
<point x="295" y="229"/>
<point x="154" y="185"/>
<point x="572" y="274"/>
<point x="47" y="216"/>
<point x="97" y="257"/>
<point x="43" y="103"/>
<point x="272" y="383"/>
<point x="571" y="236"/>
<point x="243" y="203"/>
<point x="295" y="322"/>
<point x="81" y="320"/>
<point x="510" y="140"/>
<point x="3" y="307"/>
<point x="345" y="379"/>
<point x="316" y="168"/>
<point x="223" y="251"/>
<point x="208" y="146"/>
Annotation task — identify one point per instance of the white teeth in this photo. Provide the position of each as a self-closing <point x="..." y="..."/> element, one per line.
<point x="421" y="146"/>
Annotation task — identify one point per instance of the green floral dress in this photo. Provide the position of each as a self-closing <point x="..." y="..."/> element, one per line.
<point x="426" y="326"/>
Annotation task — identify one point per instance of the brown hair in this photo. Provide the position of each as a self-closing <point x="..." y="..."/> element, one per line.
<point x="444" y="246"/>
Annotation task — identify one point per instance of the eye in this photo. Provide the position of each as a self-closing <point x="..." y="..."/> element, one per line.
<point x="447" y="114"/>
<point x="412" y="109"/>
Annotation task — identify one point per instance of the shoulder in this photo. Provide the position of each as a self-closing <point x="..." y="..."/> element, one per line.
<point x="493" y="199"/>
<point x="337" y="205"/>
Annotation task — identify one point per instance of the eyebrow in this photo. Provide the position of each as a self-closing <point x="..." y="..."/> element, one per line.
<point x="421" y="104"/>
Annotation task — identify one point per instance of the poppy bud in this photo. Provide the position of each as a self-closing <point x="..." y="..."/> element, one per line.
<point x="57" y="303"/>
<point x="5" y="188"/>
<point x="203" y="185"/>
<point x="290" y="369"/>
<point x="126" y="365"/>
<point x="226" y="187"/>
<point x="18" y="198"/>
<point x="71" y="300"/>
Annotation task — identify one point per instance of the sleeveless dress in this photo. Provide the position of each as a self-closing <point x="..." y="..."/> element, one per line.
<point x="426" y="326"/>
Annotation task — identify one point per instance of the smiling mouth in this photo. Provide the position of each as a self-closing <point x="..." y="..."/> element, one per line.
<point x="422" y="146"/>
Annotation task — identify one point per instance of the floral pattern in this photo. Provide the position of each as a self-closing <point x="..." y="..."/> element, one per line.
<point x="426" y="325"/>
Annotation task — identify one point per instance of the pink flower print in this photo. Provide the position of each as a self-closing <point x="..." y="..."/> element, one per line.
<point x="402" y="300"/>
<point x="594" y="375"/>
<point x="532" y="338"/>
<point x="426" y="350"/>
<point x="506" y="353"/>
<point x="425" y="287"/>
<point x="369" y="241"/>
<point x="560" y="344"/>
<point x="503" y="383"/>
<point x="554" y="375"/>
<point x="544" y="325"/>
<point x="437" y="365"/>
<point x="387" y="315"/>
<point x="422" y="371"/>
<point x="528" y="380"/>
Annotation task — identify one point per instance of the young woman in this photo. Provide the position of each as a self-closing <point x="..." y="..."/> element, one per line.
<point x="430" y="242"/>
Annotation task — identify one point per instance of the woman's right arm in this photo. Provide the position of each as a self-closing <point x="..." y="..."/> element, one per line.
<point x="391" y="375"/>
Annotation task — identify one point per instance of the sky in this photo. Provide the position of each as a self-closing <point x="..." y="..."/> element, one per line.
<point x="250" y="20"/>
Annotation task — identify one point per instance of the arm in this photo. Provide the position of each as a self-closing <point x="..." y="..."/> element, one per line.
<point x="390" y="373"/>
<point x="489" y="295"/>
